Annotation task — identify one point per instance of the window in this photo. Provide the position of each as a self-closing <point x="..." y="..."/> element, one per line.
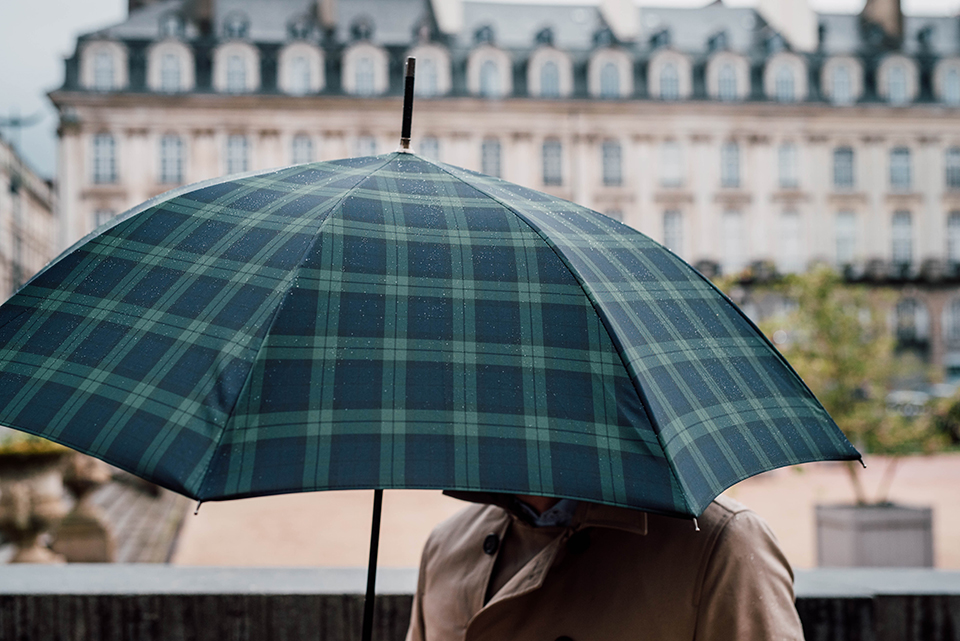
<point x="490" y="157"/>
<point x="299" y="76"/>
<point x="171" y="160"/>
<point x="846" y="237"/>
<point x="489" y="79"/>
<point x="366" y="146"/>
<point x="238" y="154"/>
<point x="897" y="84"/>
<point x="104" y="159"/>
<point x="171" y="26"/>
<point x="727" y="83"/>
<point x="301" y="149"/>
<point x="103" y="216"/>
<point x="609" y="80"/>
<point x="902" y="236"/>
<point x="730" y="165"/>
<point x="900" y="169"/>
<point x="951" y="87"/>
<point x="732" y="232"/>
<point x="953" y="238"/>
<point x="430" y="148"/>
<point x="427" y="82"/>
<point x="673" y="230"/>
<point x="951" y="321"/>
<point x="103" y="71"/>
<point x="236" y="74"/>
<point x="612" y="173"/>
<point x="952" y="165"/>
<point x="364" y="77"/>
<point x="552" y="162"/>
<point x="170" y="73"/>
<point x="671" y="164"/>
<point x="913" y="322"/>
<point x="787" y="162"/>
<point x="783" y="84"/>
<point x="841" y="85"/>
<point x="843" y="168"/>
<point x="669" y="82"/>
<point x="549" y="80"/>
<point x="235" y="26"/>
<point x="791" y="260"/>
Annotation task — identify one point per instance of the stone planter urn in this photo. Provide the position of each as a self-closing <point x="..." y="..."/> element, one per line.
<point x="84" y="536"/>
<point x="31" y="500"/>
<point x="881" y="535"/>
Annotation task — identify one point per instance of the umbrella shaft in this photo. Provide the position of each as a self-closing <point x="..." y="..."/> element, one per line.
<point x="372" y="565"/>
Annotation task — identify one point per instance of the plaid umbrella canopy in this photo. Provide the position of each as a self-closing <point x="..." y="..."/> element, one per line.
<point x="392" y="322"/>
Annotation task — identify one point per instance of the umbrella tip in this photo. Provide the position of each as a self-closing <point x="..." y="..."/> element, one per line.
<point x="696" y="526"/>
<point x="862" y="463"/>
<point x="407" y="104"/>
<point x="197" y="511"/>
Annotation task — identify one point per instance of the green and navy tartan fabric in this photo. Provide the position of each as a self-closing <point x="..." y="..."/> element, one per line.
<point x="391" y="322"/>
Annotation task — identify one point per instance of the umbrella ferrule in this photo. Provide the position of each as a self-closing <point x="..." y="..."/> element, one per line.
<point x="407" y="104"/>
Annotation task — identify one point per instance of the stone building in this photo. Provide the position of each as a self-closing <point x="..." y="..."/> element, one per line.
<point x="27" y="221"/>
<point x="738" y="137"/>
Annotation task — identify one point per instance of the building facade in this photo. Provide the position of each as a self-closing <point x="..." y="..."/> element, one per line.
<point x="738" y="137"/>
<point x="28" y="238"/>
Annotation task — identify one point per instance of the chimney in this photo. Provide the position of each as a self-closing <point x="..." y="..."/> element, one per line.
<point x="200" y="12"/>
<point x="794" y="20"/>
<point x="885" y="14"/>
<point x="327" y="14"/>
<point x="449" y="15"/>
<point x="623" y="18"/>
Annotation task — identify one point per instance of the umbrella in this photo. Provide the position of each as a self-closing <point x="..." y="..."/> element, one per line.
<point x="395" y="322"/>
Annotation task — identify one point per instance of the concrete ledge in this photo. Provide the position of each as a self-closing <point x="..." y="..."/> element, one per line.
<point x="151" y="602"/>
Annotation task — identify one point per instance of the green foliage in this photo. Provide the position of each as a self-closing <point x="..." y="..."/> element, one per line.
<point x="15" y="442"/>
<point x="838" y="340"/>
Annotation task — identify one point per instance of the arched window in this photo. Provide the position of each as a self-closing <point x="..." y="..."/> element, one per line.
<point x="103" y="71"/>
<point x="902" y="238"/>
<point x="427" y="81"/>
<point x="952" y="165"/>
<point x="727" y="82"/>
<point x="549" y="80"/>
<point x="897" y="84"/>
<point x="236" y="74"/>
<point x="787" y="161"/>
<point x="900" y="174"/>
<point x="171" y="160"/>
<point x="783" y="84"/>
<point x="552" y="162"/>
<point x="238" y="154"/>
<point x="612" y="163"/>
<point x="490" y="157"/>
<point x="843" y="176"/>
<point x="299" y="76"/>
<point x="730" y="165"/>
<point x="170" y="81"/>
<point x="951" y="87"/>
<point x="953" y="238"/>
<point x="669" y="81"/>
<point x="104" y="159"/>
<point x="301" y="149"/>
<point x="364" y="77"/>
<point x="841" y="85"/>
<point x="489" y="80"/>
<point x="609" y="80"/>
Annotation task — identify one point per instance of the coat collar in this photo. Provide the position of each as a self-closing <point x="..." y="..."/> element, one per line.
<point x="587" y="514"/>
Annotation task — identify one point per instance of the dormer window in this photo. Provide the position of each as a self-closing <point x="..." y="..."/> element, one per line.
<point x="170" y="73"/>
<point x="841" y="80"/>
<point x="545" y="37"/>
<point x="946" y="81"/>
<point x="717" y="42"/>
<point x="489" y="79"/>
<point x="236" y="26"/>
<point x="299" y="75"/>
<point x="609" y="80"/>
<point x="362" y="29"/>
<point x="236" y="74"/>
<point x="426" y="84"/>
<point x="365" y="70"/>
<point x="669" y="82"/>
<point x="897" y="85"/>
<point x="783" y="85"/>
<point x="897" y="80"/>
<point x="103" y="71"/>
<point x="841" y="85"/>
<point x="433" y="69"/>
<point x="727" y="82"/>
<point x="300" y="28"/>
<point x="169" y="67"/>
<point x="549" y="80"/>
<point x="364" y="77"/>
<point x="484" y="35"/>
<point x="171" y="26"/>
<point x="236" y="68"/>
<point x="301" y="69"/>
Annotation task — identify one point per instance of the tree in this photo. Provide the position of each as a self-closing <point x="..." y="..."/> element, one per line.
<point x="837" y="338"/>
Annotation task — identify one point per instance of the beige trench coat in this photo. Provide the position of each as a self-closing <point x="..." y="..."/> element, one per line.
<point x="612" y="574"/>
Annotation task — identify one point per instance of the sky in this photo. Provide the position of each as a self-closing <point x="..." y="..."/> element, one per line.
<point x="36" y="36"/>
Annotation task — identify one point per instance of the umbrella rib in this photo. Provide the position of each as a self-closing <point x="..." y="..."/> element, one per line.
<point x="306" y="252"/>
<point x="597" y="310"/>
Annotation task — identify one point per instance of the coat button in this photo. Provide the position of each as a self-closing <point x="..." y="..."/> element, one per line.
<point x="491" y="543"/>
